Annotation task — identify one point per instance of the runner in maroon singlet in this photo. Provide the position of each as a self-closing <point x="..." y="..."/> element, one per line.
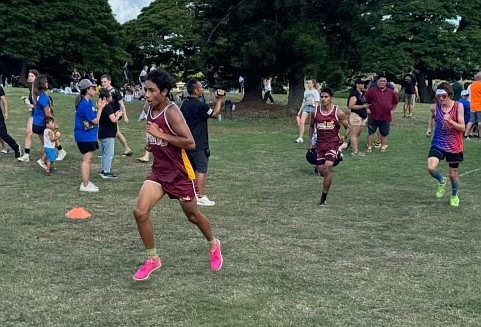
<point x="327" y="120"/>
<point x="168" y="137"/>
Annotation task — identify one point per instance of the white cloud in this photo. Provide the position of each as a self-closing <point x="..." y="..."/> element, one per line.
<point x="125" y="10"/>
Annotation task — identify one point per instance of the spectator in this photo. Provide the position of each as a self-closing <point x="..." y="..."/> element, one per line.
<point x="382" y="102"/>
<point x="143" y="76"/>
<point x="268" y="89"/>
<point x="117" y="104"/>
<point x="50" y="136"/>
<point x="409" y="85"/>
<point x="107" y="131"/>
<point x="467" y="108"/>
<point x="457" y="87"/>
<point x="86" y="120"/>
<point x="358" y="117"/>
<point x="3" y="128"/>
<point x="309" y="104"/>
<point x="475" y="105"/>
<point x="75" y="79"/>
<point x="196" y="114"/>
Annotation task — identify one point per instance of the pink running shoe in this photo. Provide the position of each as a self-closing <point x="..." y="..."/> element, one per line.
<point x="149" y="267"/>
<point x="216" y="257"/>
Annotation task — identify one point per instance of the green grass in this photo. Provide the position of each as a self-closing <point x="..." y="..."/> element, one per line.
<point x="385" y="252"/>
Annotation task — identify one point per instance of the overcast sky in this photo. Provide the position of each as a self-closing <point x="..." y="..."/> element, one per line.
<point x="125" y="10"/>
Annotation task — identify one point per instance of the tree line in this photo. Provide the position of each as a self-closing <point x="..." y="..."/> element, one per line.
<point x="333" y="41"/>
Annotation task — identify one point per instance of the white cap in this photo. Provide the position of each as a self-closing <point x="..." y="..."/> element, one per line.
<point x="464" y="93"/>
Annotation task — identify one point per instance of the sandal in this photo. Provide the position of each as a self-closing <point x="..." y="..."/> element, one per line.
<point x="127" y="154"/>
<point x="383" y="148"/>
<point x="142" y="160"/>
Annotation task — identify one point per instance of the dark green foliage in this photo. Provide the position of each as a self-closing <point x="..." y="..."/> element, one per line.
<point x="55" y="36"/>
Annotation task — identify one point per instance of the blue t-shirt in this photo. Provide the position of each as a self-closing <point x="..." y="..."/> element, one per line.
<point x="85" y="113"/>
<point x="39" y="110"/>
<point x="467" y="109"/>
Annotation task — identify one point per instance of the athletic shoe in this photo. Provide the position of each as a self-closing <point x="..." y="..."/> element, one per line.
<point x="24" y="158"/>
<point x="149" y="267"/>
<point x="42" y="164"/>
<point x="61" y="155"/>
<point x="441" y="188"/>
<point x="369" y="149"/>
<point x="377" y="144"/>
<point x="454" y="201"/>
<point x="6" y="151"/>
<point x="108" y="175"/>
<point x="383" y="148"/>
<point x="91" y="188"/>
<point x="204" y="201"/>
<point x="216" y="259"/>
<point x="299" y="140"/>
<point x="322" y="203"/>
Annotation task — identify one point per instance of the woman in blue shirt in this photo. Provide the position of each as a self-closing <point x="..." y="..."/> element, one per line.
<point x="86" y="121"/>
<point x="41" y="110"/>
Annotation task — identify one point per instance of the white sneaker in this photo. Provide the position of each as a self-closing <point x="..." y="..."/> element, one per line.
<point x="89" y="188"/>
<point x="204" y="201"/>
<point x="4" y="150"/>
<point x="299" y="140"/>
<point x="61" y="155"/>
<point x="25" y="157"/>
<point x="42" y="164"/>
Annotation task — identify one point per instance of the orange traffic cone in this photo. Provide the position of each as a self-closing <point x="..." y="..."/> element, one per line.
<point x="78" y="213"/>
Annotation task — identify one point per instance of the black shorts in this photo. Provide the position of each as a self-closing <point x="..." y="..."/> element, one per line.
<point x="85" y="147"/>
<point x="453" y="159"/>
<point x="383" y="125"/>
<point x="38" y="129"/>
<point x="199" y="160"/>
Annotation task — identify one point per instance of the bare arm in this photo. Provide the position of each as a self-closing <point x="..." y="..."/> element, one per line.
<point x="5" y="107"/>
<point x="101" y="103"/>
<point x="311" y="130"/>
<point x="183" y="139"/>
<point x="353" y="106"/>
<point x="218" y="106"/>
<point x="343" y="119"/>
<point x="124" y="110"/>
<point x="431" y="121"/>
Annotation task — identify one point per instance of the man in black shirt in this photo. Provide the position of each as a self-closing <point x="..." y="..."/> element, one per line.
<point x="3" y="128"/>
<point x="117" y="104"/>
<point x="196" y="114"/>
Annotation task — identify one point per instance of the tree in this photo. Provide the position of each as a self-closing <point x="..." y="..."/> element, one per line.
<point x="164" y="34"/>
<point x="55" y="36"/>
<point x="423" y="39"/>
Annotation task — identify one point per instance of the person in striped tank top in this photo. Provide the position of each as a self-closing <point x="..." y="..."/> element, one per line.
<point x="447" y="116"/>
<point x="327" y="119"/>
<point x="168" y="136"/>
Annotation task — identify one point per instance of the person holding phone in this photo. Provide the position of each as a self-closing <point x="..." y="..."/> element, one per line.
<point x="197" y="113"/>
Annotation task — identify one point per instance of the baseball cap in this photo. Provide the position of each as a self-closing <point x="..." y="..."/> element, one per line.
<point x="464" y="92"/>
<point x="85" y="84"/>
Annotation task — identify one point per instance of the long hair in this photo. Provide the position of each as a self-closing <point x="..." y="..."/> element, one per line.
<point x="32" y="88"/>
<point x="41" y="83"/>
<point x="79" y="97"/>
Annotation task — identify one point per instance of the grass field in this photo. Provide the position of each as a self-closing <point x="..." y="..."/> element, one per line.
<point x="384" y="252"/>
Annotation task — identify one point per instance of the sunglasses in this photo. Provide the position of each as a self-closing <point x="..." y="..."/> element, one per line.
<point x="324" y="96"/>
<point x="442" y="96"/>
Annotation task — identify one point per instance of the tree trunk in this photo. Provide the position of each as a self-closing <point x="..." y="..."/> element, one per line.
<point x="425" y="90"/>
<point x="252" y="88"/>
<point x="296" y="91"/>
<point x="22" y="79"/>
